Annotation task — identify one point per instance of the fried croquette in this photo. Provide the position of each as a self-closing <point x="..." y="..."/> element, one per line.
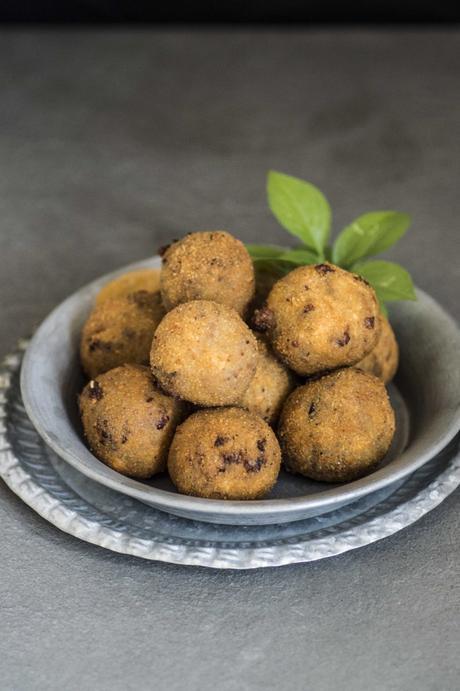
<point x="383" y="359"/>
<point x="269" y="387"/>
<point x="128" y="422"/>
<point x="208" y="266"/>
<point x="338" y="427"/>
<point x="204" y="353"/>
<point x="320" y="317"/>
<point x="225" y="453"/>
<point x="131" y="282"/>
<point x="120" y="330"/>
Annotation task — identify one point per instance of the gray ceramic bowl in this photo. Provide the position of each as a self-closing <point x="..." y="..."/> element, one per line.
<point x="426" y="398"/>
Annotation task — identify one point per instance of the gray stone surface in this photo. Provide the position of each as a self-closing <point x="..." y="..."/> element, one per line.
<point x="113" y="142"/>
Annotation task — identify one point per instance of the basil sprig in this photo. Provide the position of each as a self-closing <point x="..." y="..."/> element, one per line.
<point x="303" y="210"/>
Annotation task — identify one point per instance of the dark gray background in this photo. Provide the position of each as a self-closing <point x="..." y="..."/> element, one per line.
<point x="111" y="144"/>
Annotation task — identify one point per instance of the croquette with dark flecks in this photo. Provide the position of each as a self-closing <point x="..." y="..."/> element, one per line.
<point x="383" y="359"/>
<point x="120" y="330"/>
<point x="128" y="421"/>
<point x="130" y="282"/>
<point x="225" y="453"/>
<point x="320" y="317"/>
<point x="204" y="353"/>
<point x="207" y="266"/>
<point x="269" y="387"/>
<point x="338" y="427"/>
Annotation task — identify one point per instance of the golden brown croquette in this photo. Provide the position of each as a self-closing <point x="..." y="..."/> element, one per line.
<point x="269" y="387"/>
<point x="320" y="317"/>
<point x="207" y="266"/>
<point x="204" y="353"/>
<point x="128" y="422"/>
<point x="383" y="359"/>
<point x="120" y="330"/>
<point x="338" y="427"/>
<point x="131" y="282"/>
<point x="225" y="453"/>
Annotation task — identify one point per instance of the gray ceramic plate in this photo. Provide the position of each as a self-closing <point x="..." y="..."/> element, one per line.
<point x="92" y="512"/>
<point x="427" y="395"/>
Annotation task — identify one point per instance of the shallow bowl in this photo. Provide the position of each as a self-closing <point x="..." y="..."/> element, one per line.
<point x="426" y="397"/>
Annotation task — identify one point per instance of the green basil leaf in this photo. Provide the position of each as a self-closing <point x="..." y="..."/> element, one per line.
<point x="260" y="252"/>
<point x="328" y="253"/>
<point x="300" y="208"/>
<point x="390" y="281"/>
<point x="300" y="257"/>
<point x="368" y="235"/>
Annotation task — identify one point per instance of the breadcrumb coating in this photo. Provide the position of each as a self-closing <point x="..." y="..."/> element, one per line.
<point x="270" y="386"/>
<point x="338" y="427"/>
<point x="131" y="282"/>
<point x="120" y="330"/>
<point x="225" y="453"/>
<point x="128" y="421"/>
<point x="383" y="359"/>
<point x="208" y="266"/>
<point x="320" y="317"/>
<point x="204" y="353"/>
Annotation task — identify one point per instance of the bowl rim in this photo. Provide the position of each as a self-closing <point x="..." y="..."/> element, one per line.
<point x="182" y="504"/>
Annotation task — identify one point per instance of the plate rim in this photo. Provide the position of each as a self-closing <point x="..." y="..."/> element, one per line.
<point x="180" y="504"/>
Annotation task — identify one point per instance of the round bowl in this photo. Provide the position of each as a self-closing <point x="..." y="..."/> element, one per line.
<point x="426" y="398"/>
